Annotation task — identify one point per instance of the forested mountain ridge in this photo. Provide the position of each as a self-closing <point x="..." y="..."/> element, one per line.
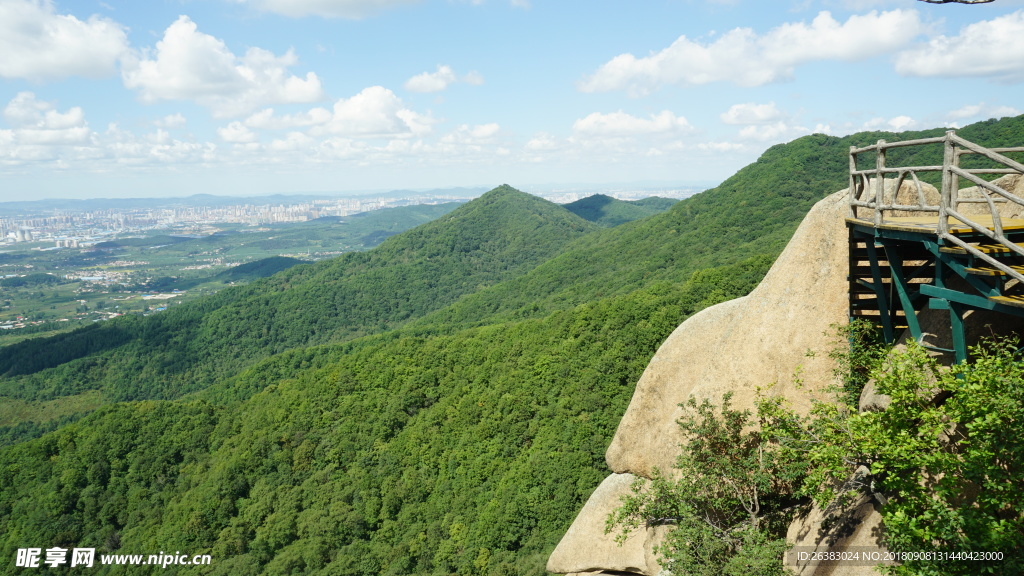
<point x="607" y="211"/>
<point x="460" y="443"/>
<point x="495" y="237"/>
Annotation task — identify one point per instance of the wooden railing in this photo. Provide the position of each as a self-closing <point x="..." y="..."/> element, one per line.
<point x="870" y="182"/>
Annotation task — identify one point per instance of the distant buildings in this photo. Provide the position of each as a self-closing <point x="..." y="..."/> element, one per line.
<point x="80" y="229"/>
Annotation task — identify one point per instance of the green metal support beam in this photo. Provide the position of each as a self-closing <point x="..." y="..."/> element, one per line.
<point x="969" y="300"/>
<point x="903" y="287"/>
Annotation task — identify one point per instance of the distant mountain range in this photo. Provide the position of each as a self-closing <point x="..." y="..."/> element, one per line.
<point x="14" y="207"/>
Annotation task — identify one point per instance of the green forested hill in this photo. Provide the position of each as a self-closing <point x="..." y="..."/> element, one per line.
<point x="437" y="405"/>
<point x="608" y="211"/>
<point x="258" y="269"/>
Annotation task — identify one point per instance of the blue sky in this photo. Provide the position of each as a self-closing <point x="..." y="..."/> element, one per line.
<point x="122" y="98"/>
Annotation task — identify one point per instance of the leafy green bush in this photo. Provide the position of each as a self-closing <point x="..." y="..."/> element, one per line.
<point x="730" y="497"/>
<point x="944" y="459"/>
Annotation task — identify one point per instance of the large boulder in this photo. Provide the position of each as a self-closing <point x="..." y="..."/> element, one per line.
<point x="586" y="548"/>
<point x="778" y="336"/>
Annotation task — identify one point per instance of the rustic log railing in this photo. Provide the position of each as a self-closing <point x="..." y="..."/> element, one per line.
<point x="872" y="182"/>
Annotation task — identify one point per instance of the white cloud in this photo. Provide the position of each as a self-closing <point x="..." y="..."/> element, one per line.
<point x="720" y="146"/>
<point x="765" y="123"/>
<point x="266" y="120"/>
<point x="543" y="142"/>
<point x="439" y="80"/>
<point x="743" y="57"/>
<point x="895" y="124"/>
<point x="901" y="123"/>
<point x="621" y="124"/>
<point x="466" y="134"/>
<point x="981" y="110"/>
<point x="236" y="132"/>
<point x="353" y="9"/>
<point x="751" y="113"/>
<point x="965" y="112"/>
<point x="374" y="112"/>
<point x="36" y="123"/>
<point x="293" y="142"/>
<point x="779" y="131"/>
<point x="990" y="48"/>
<point x="190" y="65"/>
<point x="37" y="43"/>
<point x="171" y="121"/>
<point x="120" y="148"/>
<point x="431" y="81"/>
<point x="25" y="110"/>
<point x="39" y="133"/>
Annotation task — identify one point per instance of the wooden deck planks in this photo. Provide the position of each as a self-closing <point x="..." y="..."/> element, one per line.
<point x="931" y="223"/>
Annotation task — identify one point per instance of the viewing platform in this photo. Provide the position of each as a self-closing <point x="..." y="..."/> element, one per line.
<point x="914" y="246"/>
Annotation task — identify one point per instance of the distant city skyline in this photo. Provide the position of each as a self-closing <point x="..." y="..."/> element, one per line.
<point x="71" y="226"/>
<point x="171" y="98"/>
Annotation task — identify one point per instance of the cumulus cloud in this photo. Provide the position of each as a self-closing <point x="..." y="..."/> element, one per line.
<point x="764" y="123"/>
<point x="439" y="80"/>
<point x="190" y="65"/>
<point x="121" y="148"/>
<point x="543" y="142"/>
<point x="236" y="132"/>
<point x="743" y="57"/>
<point x="980" y="110"/>
<point x="894" y="124"/>
<point x="466" y="134"/>
<point x="40" y="133"/>
<point x="352" y="9"/>
<point x="39" y="123"/>
<point x="37" y="43"/>
<point x="751" y="113"/>
<point x="171" y="121"/>
<point x="778" y="131"/>
<point x="621" y="124"/>
<point x="990" y="48"/>
<point x="431" y="81"/>
<point x="374" y="112"/>
<point x="292" y="142"/>
<point x="266" y="119"/>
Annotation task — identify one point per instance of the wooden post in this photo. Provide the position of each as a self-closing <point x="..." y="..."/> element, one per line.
<point x="853" y="182"/>
<point x="948" y="160"/>
<point x="879" y="181"/>
<point x="954" y="180"/>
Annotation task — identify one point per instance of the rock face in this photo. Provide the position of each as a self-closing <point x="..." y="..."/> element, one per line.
<point x="1012" y="183"/>
<point x="745" y="344"/>
<point x="860" y="528"/>
<point x="586" y="548"/>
